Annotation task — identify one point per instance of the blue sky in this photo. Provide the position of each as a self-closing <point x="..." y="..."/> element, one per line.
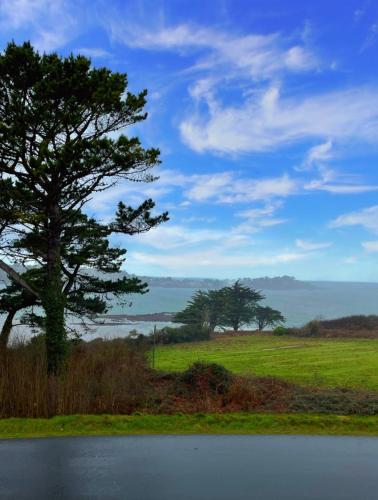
<point x="266" y="114"/>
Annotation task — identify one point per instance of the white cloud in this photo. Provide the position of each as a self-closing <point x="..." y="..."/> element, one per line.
<point x="226" y="188"/>
<point x="334" y="182"/>
<point x="259" y="218"/>
<point x="170" y="236"/>
<point x="368" y="218"/>
<point x="317" y="154"/>
<point x="50" y="23"/>
<point x="265" y="121"/>
<point x="370" y="246"/>
<point x="213" y="259"/>
<point x="210" y="186"/>
<point x="261" y="119"/>
<point x="93" y="52"/>
<point x="17" y="13"/>
<point x="371" y="37"/>
<point x="311" y="246"/>
<point x="259" y="56"/>
<point x="130" y="193"/>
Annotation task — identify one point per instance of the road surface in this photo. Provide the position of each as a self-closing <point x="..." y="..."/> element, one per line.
<point x="190" y="467"/>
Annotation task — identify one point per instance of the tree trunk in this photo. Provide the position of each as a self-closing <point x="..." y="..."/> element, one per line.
<point x="6" y="330"/>
<point x="53" y="299"/>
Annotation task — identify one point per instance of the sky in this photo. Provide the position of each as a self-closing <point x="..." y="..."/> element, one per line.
<point x="266" y="115"/>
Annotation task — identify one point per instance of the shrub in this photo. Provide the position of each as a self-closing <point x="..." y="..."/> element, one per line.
<point x="109" y="376"/>
<point x="357" y="322"/>
<point x="259" y="393"/>
<point x="207" y="378"/>
<point x="281" y="330"/>
<point x="311" y="329"/>
<point x="185" y="333"/>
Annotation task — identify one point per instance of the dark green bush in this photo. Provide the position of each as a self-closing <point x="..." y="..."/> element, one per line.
<point x="203" y="377"/>
<point x="185" y="333"/>
<point x="281" y="330"/>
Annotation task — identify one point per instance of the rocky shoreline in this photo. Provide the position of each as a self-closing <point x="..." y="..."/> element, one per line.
<point x="158" y="317"/>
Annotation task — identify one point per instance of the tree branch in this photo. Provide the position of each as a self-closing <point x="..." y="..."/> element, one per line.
<point x="18" y="278"/>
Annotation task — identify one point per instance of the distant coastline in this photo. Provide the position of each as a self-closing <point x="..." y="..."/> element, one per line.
<point x="160" y="317"/>
<point x="263" y="283"/>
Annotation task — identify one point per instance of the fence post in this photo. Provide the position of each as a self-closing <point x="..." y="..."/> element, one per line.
<point x="153" y="347"/>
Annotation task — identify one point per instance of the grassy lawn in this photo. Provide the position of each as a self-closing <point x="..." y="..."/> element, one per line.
<point x="229" y="423"/>
<point x="331" y="362"/>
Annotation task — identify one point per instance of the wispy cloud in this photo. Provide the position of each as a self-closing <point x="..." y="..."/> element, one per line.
<point x="260" y="218"/>
<point x="228" y="188"/>
<point x="336" y="182"/>
<point x="213" y="259"/>
<point x="259" y="56"/>
<point x="367" y="218"/>
<point x="370" y="246"/>
<point x="50" y="23"/>
<point x="266" y="121"/>
<point x="173" y="236"/>
<point x="93" y="52"/>
<point x="317" y="155"/>
<point x="371" y="37"/>
<point x="311" y="246"/>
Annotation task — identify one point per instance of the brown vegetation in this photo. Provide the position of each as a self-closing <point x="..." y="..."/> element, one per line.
<point x="358" y="326"/>
<point x="114" y="377"/>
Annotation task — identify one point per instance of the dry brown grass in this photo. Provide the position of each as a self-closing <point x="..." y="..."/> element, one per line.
<point x="114" y="377"/>
<point x="100" y="377"/>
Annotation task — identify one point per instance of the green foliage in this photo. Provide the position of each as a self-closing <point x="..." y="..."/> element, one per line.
<point x="239" y="305"/>
<point x="56" y="119"/>
<point x="266" y="316"/>
<point x="184" y="333"/>
<point x="207" y="377"/>
<point x="280" y="331"/>
<point x="231" y="306"/>
<point x="204" y="309"/>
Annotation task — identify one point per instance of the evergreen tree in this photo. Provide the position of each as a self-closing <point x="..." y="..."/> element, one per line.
<point x="86" y="261"/>
<point x="240" y="304"/>
<point x="266" y="316"/>
<point x="204" y="309"/>
<point x="56" y="151"/>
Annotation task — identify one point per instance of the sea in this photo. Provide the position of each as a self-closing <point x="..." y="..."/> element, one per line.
<point x="323" y="300"/>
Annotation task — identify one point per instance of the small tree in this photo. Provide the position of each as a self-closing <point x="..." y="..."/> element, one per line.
<point x="239" y="305"/>
<point x="204" y="309"/>
<point x="266" y="316"/>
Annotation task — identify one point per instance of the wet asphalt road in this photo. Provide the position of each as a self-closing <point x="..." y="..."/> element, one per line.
<point x="190" y="467"/>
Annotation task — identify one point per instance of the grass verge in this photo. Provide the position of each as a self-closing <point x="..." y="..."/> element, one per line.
<point x="229" y="423"/>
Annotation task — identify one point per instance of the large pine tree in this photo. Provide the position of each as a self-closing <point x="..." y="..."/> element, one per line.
<point x="57" y="116"/>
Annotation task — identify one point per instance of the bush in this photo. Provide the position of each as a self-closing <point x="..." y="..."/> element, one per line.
<point x="109" y="376"/>
<point x="207" y="378"/>
<point x="259" y="393"/>
<point x="185" y="333"/>
<point x="359" y="322"/>
<point x="311" y="329"/>
<point x="281" y="330"/>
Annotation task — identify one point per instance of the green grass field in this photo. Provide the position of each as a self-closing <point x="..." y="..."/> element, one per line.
<point x="229" y="423"/>
<point x="327" y="362"/>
